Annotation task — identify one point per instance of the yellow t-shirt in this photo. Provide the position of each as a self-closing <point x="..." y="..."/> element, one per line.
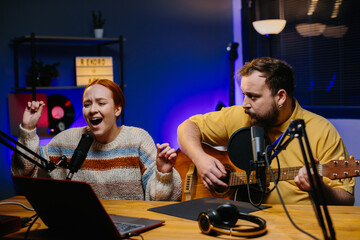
<point x="325" y="143"/>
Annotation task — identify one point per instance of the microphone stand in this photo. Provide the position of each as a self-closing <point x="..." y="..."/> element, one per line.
<point x="296" y="129"/>
<point x="260" y="174"/>
<point x="45" y="164"/>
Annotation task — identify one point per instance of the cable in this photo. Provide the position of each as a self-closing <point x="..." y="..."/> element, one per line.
<point x="278" y="176"/>
<point x="16" y="203"/>
<point x="282" y="201"/>
<point x="262" y="190"/>
<point x="24" y="220"/>
<point x="31" y="224"/>
<point x="249" y="194"/>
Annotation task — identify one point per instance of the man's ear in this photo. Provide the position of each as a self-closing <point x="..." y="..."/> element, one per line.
<point x="118" y="111"/>
<point x="281" y="97"/>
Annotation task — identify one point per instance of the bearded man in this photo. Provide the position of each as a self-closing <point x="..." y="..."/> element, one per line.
<point x="268" y="88"/>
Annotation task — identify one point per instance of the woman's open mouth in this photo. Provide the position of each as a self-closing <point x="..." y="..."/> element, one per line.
<point x="96" y="121"/>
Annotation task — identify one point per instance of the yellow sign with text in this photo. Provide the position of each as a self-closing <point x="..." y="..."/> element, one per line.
<point x="90" y="68"/>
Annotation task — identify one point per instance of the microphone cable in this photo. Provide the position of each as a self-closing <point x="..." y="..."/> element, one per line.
<point x="282" y="201"/>
<point x="249" y="194"/>
<point x="278" y="175"/>
<point x="262" y="191"/>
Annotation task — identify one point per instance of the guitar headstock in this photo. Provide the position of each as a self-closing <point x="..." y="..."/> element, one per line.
<point x="337" y="169"/>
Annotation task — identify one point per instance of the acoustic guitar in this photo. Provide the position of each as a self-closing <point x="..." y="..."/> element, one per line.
<point x="194" y="188"/>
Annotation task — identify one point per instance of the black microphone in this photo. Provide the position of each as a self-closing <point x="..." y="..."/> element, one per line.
<point x="80" y="154"/>
<point x="257" y="142"/>
<point x="258" y="149"/>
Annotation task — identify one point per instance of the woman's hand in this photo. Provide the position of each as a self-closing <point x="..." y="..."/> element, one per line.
<point x="32" y="114"/>
<point x="166" y="157"/>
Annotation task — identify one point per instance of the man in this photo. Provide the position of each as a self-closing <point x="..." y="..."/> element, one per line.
<point x="268" y="87"/>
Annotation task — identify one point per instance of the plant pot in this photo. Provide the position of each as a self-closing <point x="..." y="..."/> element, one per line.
<point x="98" y="32"/>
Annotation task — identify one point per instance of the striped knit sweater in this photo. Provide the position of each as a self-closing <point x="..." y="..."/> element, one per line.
<point x="123" y="169"/>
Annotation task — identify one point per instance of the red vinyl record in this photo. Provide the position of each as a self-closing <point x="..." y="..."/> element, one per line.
<point x="61" y="113"/>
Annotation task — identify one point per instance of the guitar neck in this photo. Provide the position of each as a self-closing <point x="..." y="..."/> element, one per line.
<point x="241" y="178"/>
<point x="334" y="169"/>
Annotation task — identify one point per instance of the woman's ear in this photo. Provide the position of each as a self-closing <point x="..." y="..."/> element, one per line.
<point x="118" y="111"/>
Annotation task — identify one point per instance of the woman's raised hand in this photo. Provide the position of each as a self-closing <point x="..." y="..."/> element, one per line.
<point x="32" y="114"/>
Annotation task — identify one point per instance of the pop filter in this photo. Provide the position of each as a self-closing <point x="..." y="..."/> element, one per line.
<point x="240" y="149"/>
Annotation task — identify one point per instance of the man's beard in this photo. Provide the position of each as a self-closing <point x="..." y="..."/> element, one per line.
<point x="266" y="121"/>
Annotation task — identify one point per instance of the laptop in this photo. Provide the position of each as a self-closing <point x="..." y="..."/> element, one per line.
<point x="72" y="209"/>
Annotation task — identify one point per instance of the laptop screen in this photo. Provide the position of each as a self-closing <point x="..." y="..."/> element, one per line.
<point x="71" y="208"/>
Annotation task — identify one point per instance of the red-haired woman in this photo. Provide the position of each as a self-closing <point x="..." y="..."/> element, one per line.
<point x="122" y="163"/>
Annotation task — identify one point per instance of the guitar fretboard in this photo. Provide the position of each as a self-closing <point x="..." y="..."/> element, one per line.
<point x="240" y="178"/>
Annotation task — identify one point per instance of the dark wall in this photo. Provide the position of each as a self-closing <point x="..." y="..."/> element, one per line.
<point x="175" y="62"/>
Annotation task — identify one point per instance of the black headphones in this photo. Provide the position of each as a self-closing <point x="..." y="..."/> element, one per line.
<point x="224" y="218"/>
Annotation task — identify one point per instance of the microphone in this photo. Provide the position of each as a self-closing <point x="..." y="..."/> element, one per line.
<point x="80" y="154"/>
<point x="257" y="142"/>
<point x="258" y="149"/>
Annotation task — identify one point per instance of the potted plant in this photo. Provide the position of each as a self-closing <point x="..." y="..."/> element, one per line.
<point x="98" y="24"/>
<point x="42" y="73"/>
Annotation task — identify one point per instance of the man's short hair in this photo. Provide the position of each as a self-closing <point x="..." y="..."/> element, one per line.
<point x="278" y="74"/>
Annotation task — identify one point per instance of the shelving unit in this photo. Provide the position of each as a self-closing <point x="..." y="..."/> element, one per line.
<point x="61" y="40"/>
<point x="52" y="41"/>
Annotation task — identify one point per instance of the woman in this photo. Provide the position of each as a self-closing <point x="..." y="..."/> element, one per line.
<point x="122" y="163"/>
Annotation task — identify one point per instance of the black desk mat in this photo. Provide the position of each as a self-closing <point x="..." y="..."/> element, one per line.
<point x="192" y="208"/>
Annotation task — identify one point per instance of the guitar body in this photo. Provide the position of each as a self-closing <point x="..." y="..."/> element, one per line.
<point x="237" y="179"/>
<point x="192" y="184"/>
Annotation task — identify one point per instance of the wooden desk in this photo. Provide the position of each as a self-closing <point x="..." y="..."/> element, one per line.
<point x="346" y="221"/>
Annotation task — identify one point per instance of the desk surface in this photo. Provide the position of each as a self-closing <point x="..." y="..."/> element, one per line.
<point x="346" y="221"/>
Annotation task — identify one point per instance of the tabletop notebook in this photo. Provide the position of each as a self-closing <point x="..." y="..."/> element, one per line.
<point x="71" y="208"/>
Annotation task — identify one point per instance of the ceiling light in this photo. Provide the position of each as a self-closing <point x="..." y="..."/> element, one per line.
<point x="335" y="31"/>
<point x="269" y="26"/>
<point x="310" y="30"/>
